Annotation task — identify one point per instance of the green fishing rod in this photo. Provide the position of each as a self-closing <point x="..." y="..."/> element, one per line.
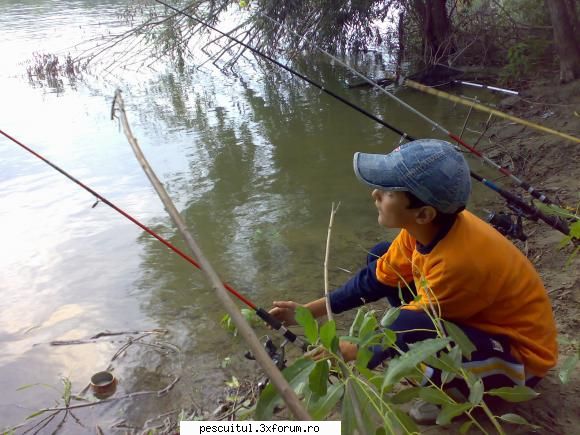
<point x="554" y="222"/>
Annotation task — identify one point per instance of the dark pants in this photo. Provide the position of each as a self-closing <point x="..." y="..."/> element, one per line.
<point x="492" y="351"/>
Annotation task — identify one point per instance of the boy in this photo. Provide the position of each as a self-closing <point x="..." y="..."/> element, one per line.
<point x="451" y="260"/>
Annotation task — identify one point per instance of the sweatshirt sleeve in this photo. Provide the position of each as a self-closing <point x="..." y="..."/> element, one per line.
<point x="395" y="267"/>
<point x="359" y="290"/>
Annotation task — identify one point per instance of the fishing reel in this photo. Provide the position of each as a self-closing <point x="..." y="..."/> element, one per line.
<point x="510" y="225"/>
<point x="276" y="353"/>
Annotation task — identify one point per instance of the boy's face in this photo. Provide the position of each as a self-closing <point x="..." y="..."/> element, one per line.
<point x="393" y="209"/>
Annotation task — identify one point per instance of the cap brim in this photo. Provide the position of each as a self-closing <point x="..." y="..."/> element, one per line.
<point x="378" y="171"/>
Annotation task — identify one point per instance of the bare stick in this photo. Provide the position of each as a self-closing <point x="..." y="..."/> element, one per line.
<point x="333" y="211"/>
<point x="246" y="331"/>
<point x="465" y="123"/>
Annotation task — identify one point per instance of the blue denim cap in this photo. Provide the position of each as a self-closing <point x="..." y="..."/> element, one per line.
<point x="432" y="170"/>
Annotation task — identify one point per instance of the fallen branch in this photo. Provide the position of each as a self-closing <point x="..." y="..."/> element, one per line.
<point x="95" y="337"/>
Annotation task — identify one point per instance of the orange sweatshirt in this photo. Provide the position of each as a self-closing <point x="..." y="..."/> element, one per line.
<point x="479" y="279"/>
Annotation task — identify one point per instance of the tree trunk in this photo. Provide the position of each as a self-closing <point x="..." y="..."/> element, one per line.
<point x="401" y="51"/>
<point x="436" y="27"/>
<point x="564" y="20"/>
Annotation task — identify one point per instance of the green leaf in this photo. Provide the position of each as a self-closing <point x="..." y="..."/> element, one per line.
<point x="234" y="383"/>
<point x="297" y="376"/>
<point x="406" y="363"/>
<point x="554" y="210"/>
<point x="328" y="334"/>
<point x="389" y="338"/>
<point x="354" y="328"/>
<point x="567" y="368"/>
<point x="517" y="419"/>
<point x="305" y="319"/>
<point x="365" y="425"/>
<point x="476" y="392"/>
<point x="251" y="317"/>
<point x="321" y="407"/>
<point x="446" y="361"/>
<point x="434" y="395"/>
<point x="36" y="414"/>
<point x="318" y="378"/>
<point x="451" y="410"/>
<point x="363" y="356"/>
<point x="405" y="422"/>
<point x="449" y="364"/>
<point x="464" y="428"/>
<point x="447" y="377"/>
<point x="390" y="316"/>
<point x="405" y="395"/>
<point x="514" y="394"/>
<point x="228" y="324"/>
<point x="66" y="394"/>
<point x="571" y="257"/>
<point x="371" y="340"/>
<point x="347" y="415"/>
<point x="369" y="325"/>
<point x="460" y="339"/>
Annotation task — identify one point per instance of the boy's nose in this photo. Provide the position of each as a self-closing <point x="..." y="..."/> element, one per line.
<point x="376" y="194"/>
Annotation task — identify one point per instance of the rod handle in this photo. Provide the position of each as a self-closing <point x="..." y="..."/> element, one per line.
<point x="278" y="326"/>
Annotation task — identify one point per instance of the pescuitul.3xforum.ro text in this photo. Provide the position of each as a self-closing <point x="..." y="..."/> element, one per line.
<point x="259" y="428"/>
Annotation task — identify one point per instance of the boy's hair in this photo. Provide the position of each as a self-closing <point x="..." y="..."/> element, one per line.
<point x="440" y="218"/>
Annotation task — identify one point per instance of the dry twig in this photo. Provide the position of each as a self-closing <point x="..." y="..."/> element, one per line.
<point x="333" y="211"/>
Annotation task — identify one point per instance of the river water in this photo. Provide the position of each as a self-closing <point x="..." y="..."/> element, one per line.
<point x="252" y="160"/>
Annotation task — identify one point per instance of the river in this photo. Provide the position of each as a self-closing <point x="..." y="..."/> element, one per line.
<point x="252" y="160"/>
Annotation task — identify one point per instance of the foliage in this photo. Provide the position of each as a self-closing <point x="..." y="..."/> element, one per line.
<point x="570" y="362"/>
<point x="250" y="316"/>
<point x="66" y="396"/>
<point x="510" y="33"/>
<point x="573" y="238"/>
<point x="370" y="400"/>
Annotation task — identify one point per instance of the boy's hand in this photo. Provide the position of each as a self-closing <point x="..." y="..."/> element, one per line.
<point x="285" y="311"/>
<point x="347" y="349"/>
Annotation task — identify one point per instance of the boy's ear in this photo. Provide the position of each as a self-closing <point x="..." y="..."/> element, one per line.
<point x="425" y="215"/>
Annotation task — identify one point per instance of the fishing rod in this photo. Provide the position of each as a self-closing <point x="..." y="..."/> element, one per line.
<point x="482" y="86"/>
<point x="561" y="226"/>
<point x="436" y="92"/>
<point x="521" y="183"/>
<point x="260" y="312"/>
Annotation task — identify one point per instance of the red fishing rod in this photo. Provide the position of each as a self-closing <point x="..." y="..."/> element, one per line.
<point x="260" y="312"/>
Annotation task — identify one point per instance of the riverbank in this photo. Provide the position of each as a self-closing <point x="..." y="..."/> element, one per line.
<point x="551" y="164"/>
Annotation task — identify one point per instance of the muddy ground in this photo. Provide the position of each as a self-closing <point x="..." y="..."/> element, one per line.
<point x="552" y="164"/>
